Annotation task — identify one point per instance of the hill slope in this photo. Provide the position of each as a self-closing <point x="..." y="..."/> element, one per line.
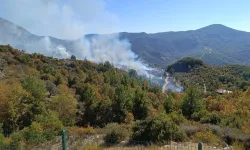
<point x="214" y="44"/>
<point x="40" y="96"/>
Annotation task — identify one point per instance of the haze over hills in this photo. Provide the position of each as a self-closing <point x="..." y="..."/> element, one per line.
<point x="215" y="44"/>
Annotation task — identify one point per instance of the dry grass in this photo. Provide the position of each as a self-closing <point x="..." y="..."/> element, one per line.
<point x="92" y="147"/>
<point x="173" y="146"/>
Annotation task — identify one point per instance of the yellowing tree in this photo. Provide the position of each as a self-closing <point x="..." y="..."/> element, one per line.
<point x="66" y="106"/>
<point x="13" y="105"/>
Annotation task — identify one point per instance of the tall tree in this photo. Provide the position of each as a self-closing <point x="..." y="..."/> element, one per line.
<point x="191" y="102"/>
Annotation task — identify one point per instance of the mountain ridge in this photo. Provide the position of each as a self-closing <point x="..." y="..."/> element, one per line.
<point x="215" y="44"/>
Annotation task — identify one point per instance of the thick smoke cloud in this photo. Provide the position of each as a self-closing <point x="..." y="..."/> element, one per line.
<point x="108" y="48"/>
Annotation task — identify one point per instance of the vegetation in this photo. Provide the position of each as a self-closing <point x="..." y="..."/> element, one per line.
<point x="40" y="96"/>
<point x="115" y="134"/>
<point x="232" y="77"/>
<point x="184" y="65"/>
<point x="158" y="128"/>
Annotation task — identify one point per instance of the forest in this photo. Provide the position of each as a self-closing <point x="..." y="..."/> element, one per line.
<point x="191" y="71"/>
<point x="40" y="96"/>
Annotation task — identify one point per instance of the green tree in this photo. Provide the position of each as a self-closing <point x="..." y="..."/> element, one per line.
<point x="36" y="87"/>
<point x="141" y="105"/>
<point x="91" y="99"/>
<point x="123" y="103"/>
<point x="37" y="90"/>
<point x="191" y="102"/>
<point x="168" y="104"/>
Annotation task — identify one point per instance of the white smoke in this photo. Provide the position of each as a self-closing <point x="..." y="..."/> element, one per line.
<point x="108" y="48"/>
<point x="171" y="84"/>
<point x="69" y="20"/>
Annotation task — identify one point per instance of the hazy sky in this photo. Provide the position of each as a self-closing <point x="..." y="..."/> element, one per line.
<point x="70" y="19"/>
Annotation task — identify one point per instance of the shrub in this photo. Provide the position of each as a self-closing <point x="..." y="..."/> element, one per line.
<point x="190" y="130"/>
<point x="34" y="133"/>
<point x="159" y="128"/>
<point x="81" y="132"/>
<point x="217" y="130"/>
<point x="115" y="134"/>
<point x="206" y="137"/>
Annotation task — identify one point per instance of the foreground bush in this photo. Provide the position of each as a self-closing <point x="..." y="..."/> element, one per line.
<point x="115" y="134"/>
<point x="206" y="137"/>
<point x="159" y="128"/>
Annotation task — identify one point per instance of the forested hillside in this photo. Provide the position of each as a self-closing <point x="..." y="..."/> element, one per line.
<point x="191" y="71"/>
<point x="40" y="96"/>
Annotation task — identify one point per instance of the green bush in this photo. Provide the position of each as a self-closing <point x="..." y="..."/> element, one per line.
<point x="115" y="134"/>
<point x="159" y="128"/>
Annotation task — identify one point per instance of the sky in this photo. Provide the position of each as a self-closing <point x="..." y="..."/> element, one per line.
<point x="70" y="19"/>
<point x="179" y="15"/>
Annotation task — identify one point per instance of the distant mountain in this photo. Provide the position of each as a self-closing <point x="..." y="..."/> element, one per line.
<point x="215" y="44"/>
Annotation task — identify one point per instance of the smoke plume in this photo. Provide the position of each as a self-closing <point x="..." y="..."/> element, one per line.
<point x="69" y="20"/>
<point x="171" y="84"/>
